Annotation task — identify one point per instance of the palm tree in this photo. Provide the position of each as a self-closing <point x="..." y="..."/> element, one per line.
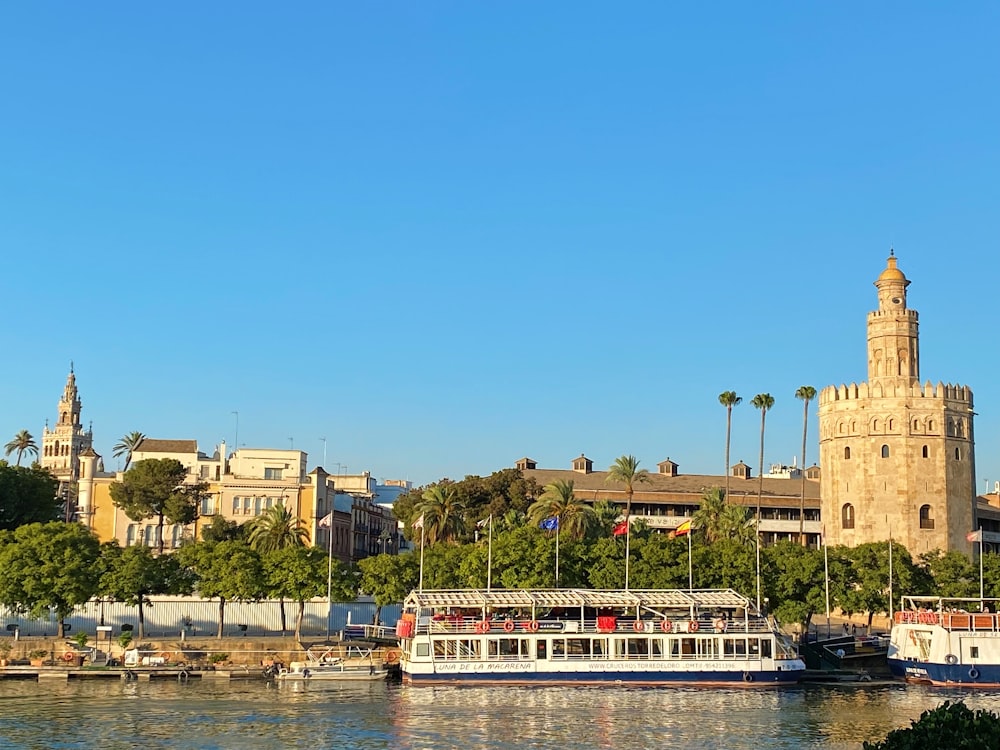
<point x="762" y="401"/>
<point x="625" y="470"/>
<point x="606" y="515"/>
<point x="23" y="443"/>
<point x="277" y="528"/>
<point x="127" y="446"/>
<point x="442" y="511"/>
<point x="729" y="399"/>
<point x="807" y="393"/>
<point x="576" y="517"/>
<point x="710" y="513"/>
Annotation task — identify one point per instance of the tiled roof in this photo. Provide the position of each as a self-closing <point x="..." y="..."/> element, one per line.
<point x="149" y="445"/>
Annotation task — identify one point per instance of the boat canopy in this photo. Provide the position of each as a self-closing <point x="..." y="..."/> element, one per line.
<point x="543" y="598"/>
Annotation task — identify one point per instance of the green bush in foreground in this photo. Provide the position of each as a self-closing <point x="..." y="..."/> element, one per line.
<point x="950" y="725"/>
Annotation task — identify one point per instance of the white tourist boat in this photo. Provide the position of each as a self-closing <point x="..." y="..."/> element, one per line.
<point x="335" y="663"/>
<point x="946" y="641"/>
<point x="578" y="636"/>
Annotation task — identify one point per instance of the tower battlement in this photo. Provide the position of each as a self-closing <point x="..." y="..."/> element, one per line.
<point x="957" y="394"/>
<point x="893" y="315"/>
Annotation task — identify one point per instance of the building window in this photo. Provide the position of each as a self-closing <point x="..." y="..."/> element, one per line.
<point x="958" y="454"/>
<point x="258" y="505"/>
<point x="926" y="452"/>
<point x="847" y="452"/>
<point x="885" y="451"/>
<point x="926" y="522"/>
<point x="237" y="504"/>
<point x="207" y="506"/>
<point x="272" y="473"/>
<point x="847" y="516"/>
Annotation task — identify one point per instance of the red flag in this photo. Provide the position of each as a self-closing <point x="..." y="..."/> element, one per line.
<point x="621" y="528"/>
<point x="684" y="528"/>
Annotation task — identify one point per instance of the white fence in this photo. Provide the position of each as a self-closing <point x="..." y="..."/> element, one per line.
<point x="168" y="616"/>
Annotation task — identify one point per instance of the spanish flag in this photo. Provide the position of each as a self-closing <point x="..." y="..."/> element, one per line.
<point x="684" y="528"/>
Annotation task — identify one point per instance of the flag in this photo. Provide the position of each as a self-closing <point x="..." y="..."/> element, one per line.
<point x="550" y="524"/>
<point x="684" y="528"/>
<point x="419" y="523"/>
<point x="326" y="521"/>
<point x="480" y="524"/>
<point x="974" y="536"/>
<point x="620" y="528"/>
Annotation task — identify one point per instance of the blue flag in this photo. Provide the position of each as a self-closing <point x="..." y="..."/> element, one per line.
<point x="550" y="524"/>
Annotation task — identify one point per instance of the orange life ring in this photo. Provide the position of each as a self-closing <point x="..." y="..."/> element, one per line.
<point x="719" y="625"/>
<point x="166" y="655"/>
<point x="508" y="626"/>
<point x="666" y="626"/>
<point x="392" y="656"/>
<point x="639" y="626"/>
<point x="69" y="656"/>
<point x="484" y="626"/>
<point x="532" y="627"/>
<point x="693" y="626"/>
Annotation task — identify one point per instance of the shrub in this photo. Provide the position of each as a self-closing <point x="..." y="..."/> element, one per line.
<point x="219" y="657"/>
<point x="950" y="725"/>
<point x="38" y="653"/>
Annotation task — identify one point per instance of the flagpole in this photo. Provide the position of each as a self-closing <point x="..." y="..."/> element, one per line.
<point x="826" y="580"/>
<point x="329" y="578"/>
<point x="890" y="575"/>
<point x="690" y="569"/>
<point x="981" y="589"/>
<point x="557" y="551"/>
<point x="420" y="586"/>
<point x="489" y="557"/>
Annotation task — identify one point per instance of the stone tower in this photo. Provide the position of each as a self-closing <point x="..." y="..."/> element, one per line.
<point x="62" y="446"/>
<point x="897" y="456"/>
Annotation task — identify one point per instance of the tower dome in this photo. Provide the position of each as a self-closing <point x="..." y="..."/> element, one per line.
<point x="891" y="273"/>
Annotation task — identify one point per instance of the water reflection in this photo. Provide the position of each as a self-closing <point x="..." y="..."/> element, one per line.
<point x="168" y="715"/>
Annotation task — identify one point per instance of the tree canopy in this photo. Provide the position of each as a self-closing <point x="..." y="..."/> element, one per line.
<point x="154" y="488"/>
<point x="27" y="496"/>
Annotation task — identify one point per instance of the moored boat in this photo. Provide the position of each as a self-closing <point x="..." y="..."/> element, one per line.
<point x="579" y="636"/>
<point x="331" y="664"/>
<point x="946" y="641"/>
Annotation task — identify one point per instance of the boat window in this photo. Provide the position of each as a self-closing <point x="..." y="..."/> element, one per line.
<point x="439" y="649"/>
<point x="541" y="649"/>
<point x="656" y="648"/>
<point x="708" y="648"/>
<point x="754" y="649"/>
<point x="600" y="646"/>
<point x="973" y="652"/>
<point x="765" y="648"/>
<point x="469" y="649"/>
<point x="674" y="648"/>
<point x="558" y="648"/>
<point x="423" y="649"/>
<point x="577" y="647"/>
<point x="619" y="646"/>
<point x="687" y="647"/>
<point x="638" y="647"/>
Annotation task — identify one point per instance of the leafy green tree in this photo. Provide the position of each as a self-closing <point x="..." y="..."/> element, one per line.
<point x="953" y="574"/>
<point x="442" y="511"/>
<point x="605" y="564"/>
<point x="559" y="501"/>
<point x="127" y="446"/>
<point x="22" y="443"/>
<point x="726" y="564"/>
<point x="299" y="573"/>
<point x="796" y="586"/>
<point x="154" y="488"/>
<point x="729" y="399"/>
<point x="221" y="530"/>
<point x="51" y="566"/>
<point x="807" y="393"/>
<point x="524" y="558"/>
<point x="133" y="574"/>
<point x="661" y="563"/>
<point x="229" y="571"/>
<point x="951" y="725"/>
<point x="606" y="515"/>
<point x="443" y="563"/>
<point x="389" y="578"/>
<point x="625" y="471"/>
<point x="870" y="593"/>
<point x="27" y="496"/>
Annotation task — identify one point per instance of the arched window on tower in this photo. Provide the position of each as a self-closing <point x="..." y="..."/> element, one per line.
<point x="885" y="451"/>
<point x="847" y="451"/>
<point x="926" y="520"/>
<point x="925" y="452"/>
<point x="960" y="428"/>
<point x="847" y="516"/>
<point x="930" y="425"/>
<point x="958" y="454"/>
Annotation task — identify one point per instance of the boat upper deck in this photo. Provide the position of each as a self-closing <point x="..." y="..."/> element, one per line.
<point x="962" y="614"/>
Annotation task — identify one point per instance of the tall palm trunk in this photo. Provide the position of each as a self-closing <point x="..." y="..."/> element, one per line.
<point x="729" y="432"/>
<point x="806" y="393"/>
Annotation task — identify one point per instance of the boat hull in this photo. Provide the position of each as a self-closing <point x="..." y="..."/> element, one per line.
<point x="929" y="673"/>
<point x="647" y="679"/>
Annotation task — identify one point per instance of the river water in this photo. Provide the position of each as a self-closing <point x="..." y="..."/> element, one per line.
<point x="246" y="715"/>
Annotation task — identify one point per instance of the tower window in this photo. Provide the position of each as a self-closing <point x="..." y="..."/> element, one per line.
<point x="885" y="451"/>
<point x="847" y="451"/>
<point x="958" y="454"/>
<point x="847" y="516"/>
<point x="926" y="522"/>
<point x="925" y="452"/>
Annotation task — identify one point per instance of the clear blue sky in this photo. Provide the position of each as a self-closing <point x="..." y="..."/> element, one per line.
<point x="445" y="235"/>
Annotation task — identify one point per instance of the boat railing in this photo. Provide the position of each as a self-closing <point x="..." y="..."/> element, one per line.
<point x="960" y="621"/>
<point x="462" y="625"/>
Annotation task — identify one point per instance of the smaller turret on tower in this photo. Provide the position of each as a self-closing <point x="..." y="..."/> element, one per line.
<point x="62" y="446"/>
